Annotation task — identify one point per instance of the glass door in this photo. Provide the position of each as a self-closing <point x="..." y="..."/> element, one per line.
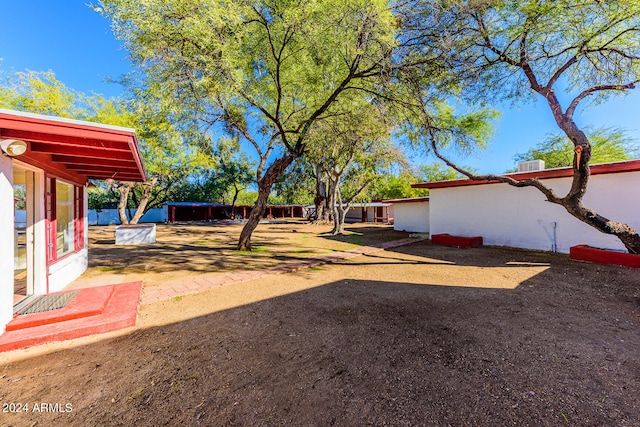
<point x="23" y="205"/>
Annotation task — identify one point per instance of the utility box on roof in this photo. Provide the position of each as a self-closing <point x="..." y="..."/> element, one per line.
<point x="531" y="165"/>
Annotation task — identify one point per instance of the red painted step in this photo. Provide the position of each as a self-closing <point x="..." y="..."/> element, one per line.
<point x="120" y="311"/>
<point x="84" y="304"/>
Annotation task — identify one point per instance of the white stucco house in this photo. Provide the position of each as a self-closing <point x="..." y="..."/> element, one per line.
<point x="45" y="165"/>
<point x="410" y="214"/>
<point x="521" y="217"/>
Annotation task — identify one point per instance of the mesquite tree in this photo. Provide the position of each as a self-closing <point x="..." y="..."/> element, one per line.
<point x="347" y="151"/>
<point x="515" y="50"/>
<point x="263" y="71"/>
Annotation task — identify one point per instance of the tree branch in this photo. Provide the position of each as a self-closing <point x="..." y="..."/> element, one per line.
<point x="574" y="104"/>
<point x="531" y="182"/>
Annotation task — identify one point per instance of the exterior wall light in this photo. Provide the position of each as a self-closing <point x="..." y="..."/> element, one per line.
<point x="13" y="147"/>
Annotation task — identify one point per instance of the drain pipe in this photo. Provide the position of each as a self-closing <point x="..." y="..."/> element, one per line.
<point x="555" y="239"/>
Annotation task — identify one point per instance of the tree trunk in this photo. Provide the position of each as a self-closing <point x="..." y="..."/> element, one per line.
<point x="572" y="202"/>
<point x="339" y="212"/>
<point x="142" y="205"/>
<point x="328" y="212"/>
<point x="233" y="202"/>
<point x="624" y="232"/>
<point x="124" y="189"/>
<point x="264" y="188"/>
<point x="320" y="199"/>
<point x="338" y="222"/>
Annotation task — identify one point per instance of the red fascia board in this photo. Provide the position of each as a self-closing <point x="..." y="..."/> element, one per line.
<point x="119" y="175"/>
<point x="133" y="144"/>
<point x="71" y="128"/>
<point x="69" y="133"/>
<point x="599" y="169"/>
<point x="409" y="200"/>
<point x="67" y="140"/>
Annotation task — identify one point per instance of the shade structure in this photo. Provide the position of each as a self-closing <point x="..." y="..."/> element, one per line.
<point x="75" y="149"/>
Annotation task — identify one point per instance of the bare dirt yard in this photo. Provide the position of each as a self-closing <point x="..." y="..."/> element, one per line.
<point x="418" y="335"/>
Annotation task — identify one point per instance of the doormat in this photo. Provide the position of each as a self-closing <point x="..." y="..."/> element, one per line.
<point x="44" y="303"/>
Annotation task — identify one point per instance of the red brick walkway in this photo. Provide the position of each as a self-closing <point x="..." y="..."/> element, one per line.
<point x="208" y="281"/>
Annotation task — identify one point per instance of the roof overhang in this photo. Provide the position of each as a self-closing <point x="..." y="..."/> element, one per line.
<point x="408" y="200"/>
<point x="74" y="149"/>
<point x="598" y="169"/>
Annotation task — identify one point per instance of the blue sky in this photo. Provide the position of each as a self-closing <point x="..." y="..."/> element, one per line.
<point x="66" y="37"/>
<point x="76" y="43"/>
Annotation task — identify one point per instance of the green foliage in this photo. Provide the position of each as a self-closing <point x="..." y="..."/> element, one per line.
<point x="296" y="185"/>
<point x="247" y="198"/>
<point x="398" y="186"/>
<point x="607" y="145"/>
<point x="221" y="183"/>
<point x="461" y="130"/>
<point x="39" y="92"/>
<point x="353" y="149"/>
<point x="392" y="186"/>
<point x="102" y="197"/>
<point x="274" y="64"/>
<point x="438" y="171"/>
<point x="589" y="43"/>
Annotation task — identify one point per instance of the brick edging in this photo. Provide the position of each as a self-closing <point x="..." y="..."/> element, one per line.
<point x="168" y="290"/>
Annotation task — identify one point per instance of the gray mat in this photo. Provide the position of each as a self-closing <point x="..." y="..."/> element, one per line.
<point x="48" y="302"/>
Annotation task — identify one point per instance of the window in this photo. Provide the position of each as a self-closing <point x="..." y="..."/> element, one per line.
<point x="64" y="219"/>
<point x="64" y="214"/>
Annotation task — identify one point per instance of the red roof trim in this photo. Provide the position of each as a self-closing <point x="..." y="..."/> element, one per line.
<point x="408" y="200"/>
<point x="599" y="169"/>
<point x="53" y="139"/>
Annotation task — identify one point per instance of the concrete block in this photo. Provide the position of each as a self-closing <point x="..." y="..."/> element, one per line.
<point x="137" y="234"/>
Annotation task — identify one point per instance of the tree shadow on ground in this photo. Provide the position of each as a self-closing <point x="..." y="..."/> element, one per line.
<point x="204" y="248"/>
<point x="364" y="235"/>
<point x="556" y="348"/>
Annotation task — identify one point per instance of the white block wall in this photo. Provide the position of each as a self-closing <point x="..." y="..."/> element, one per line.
<point x="111" y="216"/>
<point x="520" y="217"/>
<point x="7" y="243"/>
<point x="411" y="216"/>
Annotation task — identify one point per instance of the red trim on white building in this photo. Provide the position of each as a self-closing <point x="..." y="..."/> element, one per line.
<point x="73" y="149"/>
<point x="602" y="168"/>
<point x="407" y="200"/>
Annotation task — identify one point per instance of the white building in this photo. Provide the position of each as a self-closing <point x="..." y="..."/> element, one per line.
<point x="521" y="217"/>
<point x="45" y="164"/>
<point x="410" y="214"/>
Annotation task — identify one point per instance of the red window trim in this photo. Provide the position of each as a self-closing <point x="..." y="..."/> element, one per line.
<point x="51" y="220"/>
<point x="78" y="218"/>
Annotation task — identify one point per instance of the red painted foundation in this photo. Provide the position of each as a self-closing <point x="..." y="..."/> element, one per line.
<point x="602" y="256"/>
<point x="458" y="241"/>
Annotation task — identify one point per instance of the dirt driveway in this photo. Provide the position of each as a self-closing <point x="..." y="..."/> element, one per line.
<point x="419" y="335"/>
